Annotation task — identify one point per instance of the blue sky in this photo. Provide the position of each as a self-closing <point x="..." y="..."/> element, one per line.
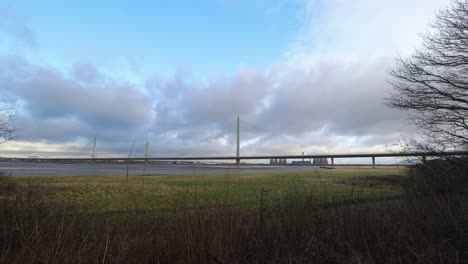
<point x="305" y="75"/>
<point x="205" y="37"/>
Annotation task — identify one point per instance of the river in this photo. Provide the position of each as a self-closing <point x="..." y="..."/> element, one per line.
<point x="64" y="169"/>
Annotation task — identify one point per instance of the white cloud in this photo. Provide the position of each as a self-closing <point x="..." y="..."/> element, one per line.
<point x="326" y="96"/>
<point x="361" y="29"/>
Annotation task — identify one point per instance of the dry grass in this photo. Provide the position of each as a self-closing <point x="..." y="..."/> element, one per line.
<point x="299" y="225"/>
<point x="115" y="193"/>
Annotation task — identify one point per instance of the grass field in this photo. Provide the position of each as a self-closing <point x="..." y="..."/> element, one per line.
<point x="345" y="215"/>
<point x="94" y="194"/>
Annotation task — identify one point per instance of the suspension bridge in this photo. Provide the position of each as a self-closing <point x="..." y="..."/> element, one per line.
<point x="322" y="158"/>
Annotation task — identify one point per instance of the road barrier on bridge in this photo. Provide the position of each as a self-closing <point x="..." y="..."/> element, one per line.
<point x="332" y="157"/>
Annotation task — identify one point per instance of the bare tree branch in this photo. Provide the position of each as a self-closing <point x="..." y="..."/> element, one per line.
<point x="432" y="84"/>
<point x="7" y="112"/>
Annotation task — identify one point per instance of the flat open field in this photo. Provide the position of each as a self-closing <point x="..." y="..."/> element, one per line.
<point x="343" y="215"/>
<point x="159" y="194"/>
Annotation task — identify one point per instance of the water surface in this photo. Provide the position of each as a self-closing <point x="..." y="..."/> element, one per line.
<point x="60" y="169"/>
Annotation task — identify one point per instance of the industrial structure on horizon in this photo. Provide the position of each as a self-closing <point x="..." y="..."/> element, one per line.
<point x="310" y="162"/>
<point x="303" y="162"/>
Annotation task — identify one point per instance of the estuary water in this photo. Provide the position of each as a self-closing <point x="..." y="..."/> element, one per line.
<point x="66" y="169"/>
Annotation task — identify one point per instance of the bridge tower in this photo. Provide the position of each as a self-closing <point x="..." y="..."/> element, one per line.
<point x="147" y="152"/>
<point x="238" y="141"/>
<point x="94" y="148"/>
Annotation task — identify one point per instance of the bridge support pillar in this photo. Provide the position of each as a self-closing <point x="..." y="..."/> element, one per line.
<point x="373" y="162"/>
<point x="333" y="163"/>
<point x="424" y="159"/>
<point x="237" y="162"/>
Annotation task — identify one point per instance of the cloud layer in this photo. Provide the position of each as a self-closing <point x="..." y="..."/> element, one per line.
<point x="283" y="109"/>
<point x="327" y="95"/>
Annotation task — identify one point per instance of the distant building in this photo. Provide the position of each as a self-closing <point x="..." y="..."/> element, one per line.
<point x="278" y="162"/>
<point x="301" y="162"/>
<point x="320" y="162"/>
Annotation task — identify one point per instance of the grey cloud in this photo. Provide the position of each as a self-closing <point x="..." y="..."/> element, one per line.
<point x="282" y="107"/>
<point x="86" y="72"/>
<point x="58" y="108"/>
<point x="343" y="100"/>
<point x="198" y="112"/>
<point x="223" y="99"/>
<point x="56" y="130"/>
<point x="47" y="93"/>
<point x="284" y="110"/>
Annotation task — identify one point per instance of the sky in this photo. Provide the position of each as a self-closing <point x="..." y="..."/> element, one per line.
<point x="303" y="75"/>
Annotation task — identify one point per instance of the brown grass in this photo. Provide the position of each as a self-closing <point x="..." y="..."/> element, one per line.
<point x="423" y="226"/>
<point x="376" y="181"/>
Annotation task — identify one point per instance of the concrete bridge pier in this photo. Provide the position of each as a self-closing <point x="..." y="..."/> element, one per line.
<point x="332" y="163"/>
<point x="373" y="162"/>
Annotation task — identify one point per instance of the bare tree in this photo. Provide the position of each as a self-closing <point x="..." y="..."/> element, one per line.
<point x="7" y="111"/>
<point x="432" y="84"/>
